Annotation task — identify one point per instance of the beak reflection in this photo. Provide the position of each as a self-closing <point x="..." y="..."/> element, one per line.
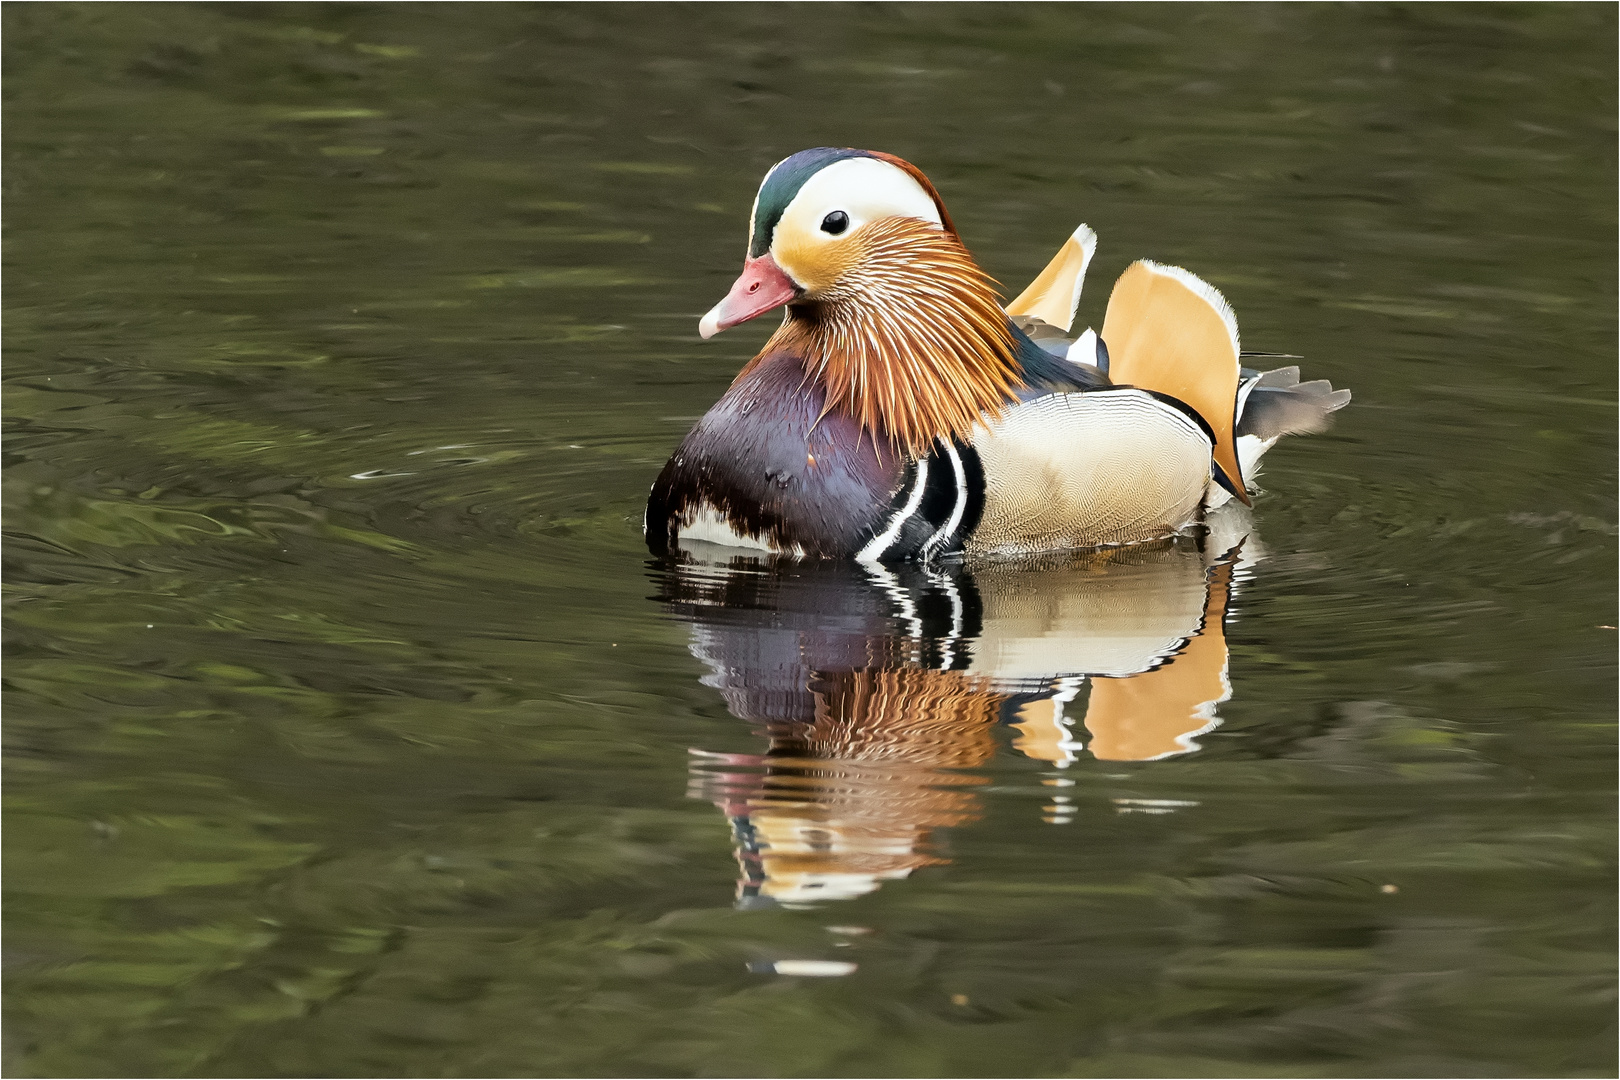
<point x="878" y="692"/>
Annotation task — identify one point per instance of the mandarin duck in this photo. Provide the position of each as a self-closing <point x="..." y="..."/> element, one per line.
<point x="901" y="413"/>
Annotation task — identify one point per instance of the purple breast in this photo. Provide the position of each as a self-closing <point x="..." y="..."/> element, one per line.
<point x="768" y="461"/>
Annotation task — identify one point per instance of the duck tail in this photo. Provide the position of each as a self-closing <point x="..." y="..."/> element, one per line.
<point x="1170" y="332"/>
<point x="1275" y="403"/>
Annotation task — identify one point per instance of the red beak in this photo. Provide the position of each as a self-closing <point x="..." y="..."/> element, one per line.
<point x="763" y="286"/>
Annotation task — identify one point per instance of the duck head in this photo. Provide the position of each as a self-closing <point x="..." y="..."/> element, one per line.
<point x="805" y="231"/>
<point x="883" y="301"/>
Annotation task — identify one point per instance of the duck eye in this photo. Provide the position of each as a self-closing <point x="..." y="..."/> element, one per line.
<point x="835" y="223"/>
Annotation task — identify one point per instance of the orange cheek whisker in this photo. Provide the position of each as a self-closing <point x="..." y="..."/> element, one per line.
<point x="906" y="334"/>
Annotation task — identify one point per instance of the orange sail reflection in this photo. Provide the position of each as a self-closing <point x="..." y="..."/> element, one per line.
<point x="1156" y="714"/>
<point x="880" y="691"/>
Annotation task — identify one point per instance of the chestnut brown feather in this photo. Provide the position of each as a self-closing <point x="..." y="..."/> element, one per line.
<point x="905" y="331"/>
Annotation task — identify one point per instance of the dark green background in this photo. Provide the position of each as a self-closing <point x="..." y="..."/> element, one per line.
<point x="343" y="342"/>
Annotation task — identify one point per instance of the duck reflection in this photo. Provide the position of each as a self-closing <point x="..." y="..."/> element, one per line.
<point x="880" y="690"/>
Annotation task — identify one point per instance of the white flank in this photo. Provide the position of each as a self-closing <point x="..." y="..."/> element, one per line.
<point x="1099" y="468"/>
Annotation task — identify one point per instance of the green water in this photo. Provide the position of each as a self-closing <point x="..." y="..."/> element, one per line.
<point x="350" y="729"/>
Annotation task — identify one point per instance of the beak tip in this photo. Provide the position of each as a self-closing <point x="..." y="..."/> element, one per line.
<point x="761" y="287"/>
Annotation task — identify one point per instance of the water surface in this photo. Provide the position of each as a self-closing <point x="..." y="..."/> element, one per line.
<point x="352" y="732"/>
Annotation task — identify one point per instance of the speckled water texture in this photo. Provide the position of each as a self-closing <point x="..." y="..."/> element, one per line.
<point x="352" y="732"/>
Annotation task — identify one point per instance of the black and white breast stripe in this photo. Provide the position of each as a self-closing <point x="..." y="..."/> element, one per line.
<point x="937" y="507"/>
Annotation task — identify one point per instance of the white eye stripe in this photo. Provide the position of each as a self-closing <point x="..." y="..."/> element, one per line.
<point x="864" y="190"/>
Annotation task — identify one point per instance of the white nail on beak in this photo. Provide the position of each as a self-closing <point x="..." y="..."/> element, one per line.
<point x="709" y="325"/>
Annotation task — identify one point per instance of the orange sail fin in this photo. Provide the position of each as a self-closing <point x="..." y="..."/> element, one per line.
<point x="1055" y="293"/>
<point x="1168" y="331"/>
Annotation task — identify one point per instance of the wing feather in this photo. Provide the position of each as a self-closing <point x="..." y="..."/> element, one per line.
<point x="1169" y="331"/>
<point x="1055" y="293"/>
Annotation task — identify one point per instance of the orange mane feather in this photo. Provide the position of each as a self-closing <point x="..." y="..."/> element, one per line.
<point x="908" y="335"/>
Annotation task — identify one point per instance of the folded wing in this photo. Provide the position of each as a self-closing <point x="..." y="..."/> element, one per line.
<point x="1172" y="333"/>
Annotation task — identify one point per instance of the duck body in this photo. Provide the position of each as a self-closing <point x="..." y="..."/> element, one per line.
<point x="771" y="467"/>
<point x="900" y="413"/>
